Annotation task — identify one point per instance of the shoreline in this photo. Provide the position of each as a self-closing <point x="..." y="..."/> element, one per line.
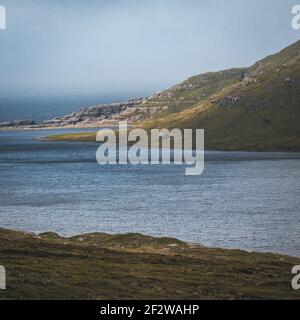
<point x="92" y="126"/>
<point x="69" y="137"/>
<point x="142" y="235"/>
<point x="90" y="137"/>
<point x="135" y="266"/>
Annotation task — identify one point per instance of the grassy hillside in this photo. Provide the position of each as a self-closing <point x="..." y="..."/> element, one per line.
<point x="240" y="109"/>
<point x="258" y="111"/>
<point x="133" y="266"/>
<point x="192" y="91"/>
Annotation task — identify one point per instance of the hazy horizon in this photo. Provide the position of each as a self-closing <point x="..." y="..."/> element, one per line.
<point x="132" y="47"/>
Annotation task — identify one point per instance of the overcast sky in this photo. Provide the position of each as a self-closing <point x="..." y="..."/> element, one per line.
<point x="112" y="46"/>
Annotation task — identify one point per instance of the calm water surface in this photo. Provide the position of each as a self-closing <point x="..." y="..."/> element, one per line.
<point x="43" y="107"/>
<point x="243" y="200"/>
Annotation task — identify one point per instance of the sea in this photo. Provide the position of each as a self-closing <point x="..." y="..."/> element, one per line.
<point x="243" y="200"/>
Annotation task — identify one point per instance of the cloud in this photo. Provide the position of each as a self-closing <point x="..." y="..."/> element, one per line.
<point x="118" y="45"/>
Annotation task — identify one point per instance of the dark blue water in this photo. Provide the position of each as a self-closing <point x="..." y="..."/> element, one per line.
<point x="243" y="200"/>
<point x="44" y="107"/>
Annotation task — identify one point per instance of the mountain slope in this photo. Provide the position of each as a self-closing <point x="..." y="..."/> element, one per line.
<point x="257" y="111"/>
<point x="192" y="91"/>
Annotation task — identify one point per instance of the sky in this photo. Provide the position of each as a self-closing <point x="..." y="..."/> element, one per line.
<point x="136" y="46"/>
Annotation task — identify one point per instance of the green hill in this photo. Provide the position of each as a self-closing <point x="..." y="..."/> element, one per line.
<point x="256" y="108"/>
<point x="240" y="109"/>
<point x="192" y="91"/>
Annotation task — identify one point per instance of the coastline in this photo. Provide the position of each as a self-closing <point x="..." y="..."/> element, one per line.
<point x="37" y="128"/>
<point x="91" y="137"/>
<point x="134" y="266"/>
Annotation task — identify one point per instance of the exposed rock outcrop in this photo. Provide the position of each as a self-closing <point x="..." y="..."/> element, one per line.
<point x="17" y="123"/>
<point x="98" y="114"/>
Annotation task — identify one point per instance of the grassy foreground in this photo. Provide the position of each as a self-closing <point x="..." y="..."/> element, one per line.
<point x="133" y="266"/>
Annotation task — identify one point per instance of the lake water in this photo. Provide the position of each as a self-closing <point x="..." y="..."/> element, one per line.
<point x="243" y="200"/>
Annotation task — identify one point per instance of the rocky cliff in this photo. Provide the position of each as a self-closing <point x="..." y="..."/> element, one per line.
<point x="17" y="123"/>
<point x="104" y="113"/>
